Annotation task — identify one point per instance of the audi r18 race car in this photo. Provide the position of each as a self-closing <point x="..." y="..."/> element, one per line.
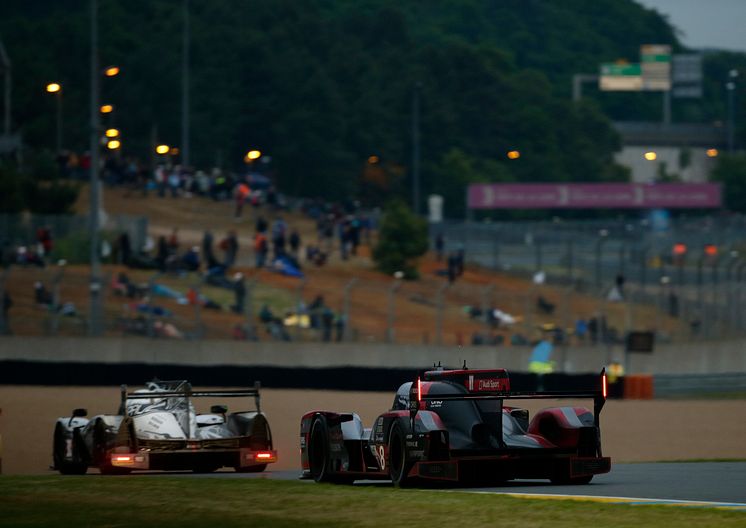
<point x="453" y="425"/>
<point x="157" y="428"/>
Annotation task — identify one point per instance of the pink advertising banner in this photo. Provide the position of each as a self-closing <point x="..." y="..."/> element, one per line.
<point x="594" y="195"/>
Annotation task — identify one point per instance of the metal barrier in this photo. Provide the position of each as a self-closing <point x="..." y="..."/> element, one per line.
<point x="668" y="385"/>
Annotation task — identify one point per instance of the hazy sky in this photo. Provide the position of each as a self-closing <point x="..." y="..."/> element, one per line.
<point x="706" y="23"/>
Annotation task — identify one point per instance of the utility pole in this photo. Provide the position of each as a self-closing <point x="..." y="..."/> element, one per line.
<point x="667" y="107"/>
<point x="5" y="67"/>
<point x="185" y="89"/>
<point x="731" y="87"/>
<point x="95" y="284"/>
<point x="416" y="148"/>
<point x="577" y="84"/>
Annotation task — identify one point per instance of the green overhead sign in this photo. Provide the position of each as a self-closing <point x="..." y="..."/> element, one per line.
<point x="652" y="73"/>
<point x="614" y="69"/>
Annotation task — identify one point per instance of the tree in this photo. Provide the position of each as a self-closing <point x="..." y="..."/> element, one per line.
<point x="731" y="172"/>
<point x="402" y="238"/>
<point x="11" y="189"/>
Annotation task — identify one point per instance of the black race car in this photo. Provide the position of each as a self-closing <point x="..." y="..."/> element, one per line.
<point x="453" y="425"/>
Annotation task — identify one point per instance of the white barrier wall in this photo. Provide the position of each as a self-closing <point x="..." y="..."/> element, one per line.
<point x="703" y="358"/>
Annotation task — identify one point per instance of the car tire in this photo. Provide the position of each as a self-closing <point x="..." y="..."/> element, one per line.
<point x="318" y="450"/>
<point x="398" y="463"/>
<point x="59" y="450"/>
<point x="319" y="459"/>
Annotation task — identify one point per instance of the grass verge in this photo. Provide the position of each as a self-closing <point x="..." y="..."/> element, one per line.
<point x="197" y="502"/>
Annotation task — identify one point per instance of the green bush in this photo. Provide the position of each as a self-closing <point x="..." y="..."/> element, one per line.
<point x="402" y="238"/>
<point x="75" y="248"/>
<point x="50" y="198"/>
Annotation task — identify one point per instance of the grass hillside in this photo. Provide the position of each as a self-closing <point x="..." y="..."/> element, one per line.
<point x="414" y="304"/>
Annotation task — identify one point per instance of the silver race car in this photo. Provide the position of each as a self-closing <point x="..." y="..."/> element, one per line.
<point x="158" y="428"/>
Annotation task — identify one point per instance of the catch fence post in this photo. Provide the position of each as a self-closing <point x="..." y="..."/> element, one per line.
<point x="346" y="294"/>
<point x="439" y="313"/>
<point x="390" y="316"/>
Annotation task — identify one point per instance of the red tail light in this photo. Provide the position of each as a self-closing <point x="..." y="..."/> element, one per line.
<point x="603" y="385"/>
<point x="265" y="456"/>
<point x="419" y="390"/>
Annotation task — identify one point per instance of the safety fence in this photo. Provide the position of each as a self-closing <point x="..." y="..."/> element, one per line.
<point x="265" y="306"/>
<point x="693" y="269"/>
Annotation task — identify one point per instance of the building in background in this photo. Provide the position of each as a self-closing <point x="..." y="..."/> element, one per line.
<point x="657" y="152"/>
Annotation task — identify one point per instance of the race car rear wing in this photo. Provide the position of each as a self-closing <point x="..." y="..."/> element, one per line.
<point x="503" y="392"/>
<point x="184" y="390"/>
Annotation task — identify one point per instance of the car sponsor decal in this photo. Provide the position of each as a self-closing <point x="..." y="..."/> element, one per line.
<point x="381" y="456"/>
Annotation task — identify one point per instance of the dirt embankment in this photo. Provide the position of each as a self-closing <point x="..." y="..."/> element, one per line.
<point x="631" y="430"/>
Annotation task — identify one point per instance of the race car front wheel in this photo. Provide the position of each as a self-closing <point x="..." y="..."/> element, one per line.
<point x="398" y="463"/>
<point x="63" y="464"/>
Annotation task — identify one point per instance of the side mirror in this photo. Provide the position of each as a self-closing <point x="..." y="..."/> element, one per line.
<point x="79" y="413"/>
<point x="219" y="409"/>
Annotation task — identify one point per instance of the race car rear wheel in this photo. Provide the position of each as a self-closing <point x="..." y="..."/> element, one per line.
<point x="318" y="450"/>
<point x="399" y="465"/>
<point x="319" y="459"/>
<point x="59" y="453"/>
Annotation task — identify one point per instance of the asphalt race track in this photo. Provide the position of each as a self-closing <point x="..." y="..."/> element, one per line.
<point x="720" y="482"/>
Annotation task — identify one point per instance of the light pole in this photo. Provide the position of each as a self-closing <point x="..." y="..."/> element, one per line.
<point x="95" y="282"/>
<point x="185" y="89"/>
<point x="731" y="87"/>
<point x="56" y="89"/>
<point x="5" y="70"/>
<point x="416" y="148"/>
<point x="602" y="237"/>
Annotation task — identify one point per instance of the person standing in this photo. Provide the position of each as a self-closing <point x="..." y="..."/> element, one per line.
<point x="295" y="243"/>
<point x="261" y="225"/>
<point x="162" y="253"/>
<point x="260" y="248"/>
<point x="125" y="248"/>
<point x="210" y="260"/>
<point x="174" y="181"/>
<point x="230" y="246"/>
<point x="7" y="305"/>
<point x="452" y="268"/>
<point x="242" y="192"/>
<point x="439" y="246"/>
<point x="239" y="290"/>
